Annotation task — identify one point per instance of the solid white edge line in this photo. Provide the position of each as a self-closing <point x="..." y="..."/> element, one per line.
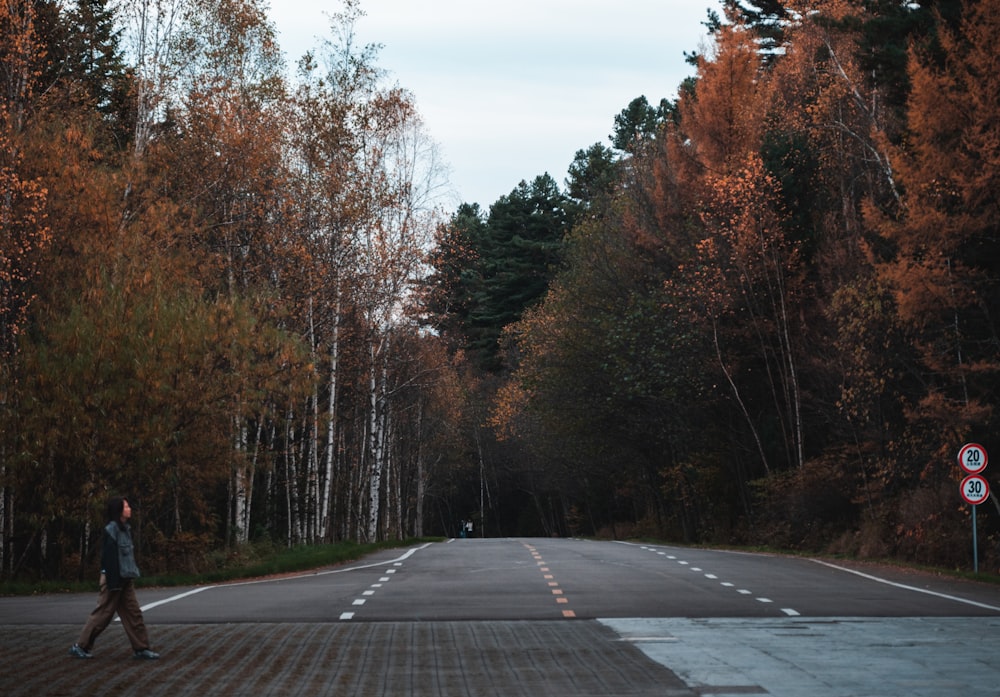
<point x="171" y="599"/>
<point x="906" y="587"/>
<point x="180" y="596"/>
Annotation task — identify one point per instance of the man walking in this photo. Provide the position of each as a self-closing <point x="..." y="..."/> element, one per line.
<point x="118" y="572"/>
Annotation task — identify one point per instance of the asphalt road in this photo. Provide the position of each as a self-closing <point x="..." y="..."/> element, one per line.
<point x="533" y="616"/>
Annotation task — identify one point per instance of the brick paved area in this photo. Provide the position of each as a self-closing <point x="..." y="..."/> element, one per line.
<point x="432" y="659"/>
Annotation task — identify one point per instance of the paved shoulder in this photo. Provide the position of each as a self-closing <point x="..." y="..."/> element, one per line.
<point x="824" y="657"/>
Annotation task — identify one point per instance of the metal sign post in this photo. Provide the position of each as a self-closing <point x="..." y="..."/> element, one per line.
<point x="974" y="489"/>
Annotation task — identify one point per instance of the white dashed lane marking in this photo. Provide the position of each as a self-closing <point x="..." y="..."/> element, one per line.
<point x="385" y="578"/>
<point x="712" y="577"/>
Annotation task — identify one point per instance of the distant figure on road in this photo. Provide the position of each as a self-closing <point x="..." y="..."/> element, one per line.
<point x="118" y="572"/>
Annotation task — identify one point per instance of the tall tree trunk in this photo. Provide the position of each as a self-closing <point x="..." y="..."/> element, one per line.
<point x="238" y="485"/>
<point x="739" y="398"/>
<point x="312" y="468"/>
<point x="302" y="487"/>
<point x="291" y="480"/>
<point x="421" y="482"/>
<point x="326" y="500"/>
<point x="375" y="436"/>
<point x="243" y="479"/>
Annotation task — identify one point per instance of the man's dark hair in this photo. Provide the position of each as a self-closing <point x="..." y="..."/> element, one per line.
<point x="116" y="504"/>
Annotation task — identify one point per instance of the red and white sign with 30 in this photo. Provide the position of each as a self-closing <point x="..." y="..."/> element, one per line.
<point x="975" y="489"/>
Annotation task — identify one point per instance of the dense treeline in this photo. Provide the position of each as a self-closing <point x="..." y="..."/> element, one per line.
<point x="765" y="314"/>
<point x="775" y="318"/>
<point x="205" y="282"/>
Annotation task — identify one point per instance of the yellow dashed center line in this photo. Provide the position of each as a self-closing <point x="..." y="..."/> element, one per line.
<point x="557" y="592"/>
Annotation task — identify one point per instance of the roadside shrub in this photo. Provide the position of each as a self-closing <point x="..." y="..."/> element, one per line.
<point x="806" y="508"/>
<point x="933" y="526"/>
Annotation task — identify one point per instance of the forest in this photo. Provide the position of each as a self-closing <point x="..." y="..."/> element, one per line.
<point x="764" y="312"/>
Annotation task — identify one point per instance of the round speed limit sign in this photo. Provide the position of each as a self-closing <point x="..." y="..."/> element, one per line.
<point x="973" y="458"/>
<point x="975" y="489"/>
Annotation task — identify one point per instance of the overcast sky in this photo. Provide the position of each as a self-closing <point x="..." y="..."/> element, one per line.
<point x="511" y="89"/>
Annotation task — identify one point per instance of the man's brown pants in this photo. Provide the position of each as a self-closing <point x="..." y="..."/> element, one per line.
<point x="125" y="604"/>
